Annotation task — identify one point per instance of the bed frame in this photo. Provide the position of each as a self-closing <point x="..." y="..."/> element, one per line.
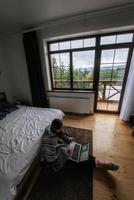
<point x="31" y="175"/>
<point x="25" y="186"/>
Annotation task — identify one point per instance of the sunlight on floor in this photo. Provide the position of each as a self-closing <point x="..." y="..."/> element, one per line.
<point x="112" y="140"/>
<point x="110" y="106"/>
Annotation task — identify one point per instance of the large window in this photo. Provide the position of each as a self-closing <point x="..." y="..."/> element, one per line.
<point x="72" y="63"/>
<point x="75" y="63"/>
<point x="60" y="67"/>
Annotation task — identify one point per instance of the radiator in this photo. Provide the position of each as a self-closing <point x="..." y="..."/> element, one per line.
<point x="73" y="103"/>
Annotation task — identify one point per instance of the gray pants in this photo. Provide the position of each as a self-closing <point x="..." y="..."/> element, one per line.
<point x="61" y="160"/>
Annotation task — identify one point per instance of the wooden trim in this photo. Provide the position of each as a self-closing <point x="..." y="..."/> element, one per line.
<point x="107" y="112"/>
<point x="35" y="166"/>
<point x="32" y="183"/>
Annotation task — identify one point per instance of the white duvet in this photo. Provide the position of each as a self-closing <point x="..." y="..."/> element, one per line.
<point x="20" y="137"/>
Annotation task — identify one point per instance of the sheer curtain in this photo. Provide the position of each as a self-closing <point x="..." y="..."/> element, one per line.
<point x="128" y="101"/>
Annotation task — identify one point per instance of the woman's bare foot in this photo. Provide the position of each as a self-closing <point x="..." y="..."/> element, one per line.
<point x="106" y="165"/>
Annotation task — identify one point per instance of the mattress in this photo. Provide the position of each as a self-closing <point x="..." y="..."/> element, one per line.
<point x="20" y="138"/>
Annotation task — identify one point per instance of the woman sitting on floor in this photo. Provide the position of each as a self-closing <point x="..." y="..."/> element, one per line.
<point x="55" y="149"/>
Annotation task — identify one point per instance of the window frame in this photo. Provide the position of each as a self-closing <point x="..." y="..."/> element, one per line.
<point x="97" y="48"/>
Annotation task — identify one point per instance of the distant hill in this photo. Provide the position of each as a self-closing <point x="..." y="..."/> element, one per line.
<point x="82" y="69"/>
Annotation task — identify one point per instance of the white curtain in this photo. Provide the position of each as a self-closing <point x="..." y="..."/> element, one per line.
<point x="128" y="101"/>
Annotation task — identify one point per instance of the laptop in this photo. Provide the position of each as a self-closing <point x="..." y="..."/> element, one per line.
<point x="80" y="152"/>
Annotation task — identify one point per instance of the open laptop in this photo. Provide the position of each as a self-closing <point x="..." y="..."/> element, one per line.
<point x="80" y="152"/>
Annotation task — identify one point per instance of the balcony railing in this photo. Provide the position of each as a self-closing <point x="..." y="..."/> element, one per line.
<point x="108" y="90"/>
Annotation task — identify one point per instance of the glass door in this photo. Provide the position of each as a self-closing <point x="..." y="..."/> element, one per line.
<point x="112" y="70"/>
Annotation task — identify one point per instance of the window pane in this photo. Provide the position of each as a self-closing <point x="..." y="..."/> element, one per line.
<point x="108" y="39"/>
<point x="113" y="73"/>
<point x="89" y="42"/>
<point x="121" y="55"/>
<point x="64" y="45"/>
<point x="54" y="46"/>
<point x="60" y="64"/>
<point x="105" y="72"/>
<point x="83" y="68"/>
<point x="119" y="71"/>
<point x="124" y="38"/>
<point x="107" y="56"/>
<point x="76" y="44"/>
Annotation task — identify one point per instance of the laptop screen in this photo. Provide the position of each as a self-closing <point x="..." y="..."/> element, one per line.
<point x="76" y="152"/>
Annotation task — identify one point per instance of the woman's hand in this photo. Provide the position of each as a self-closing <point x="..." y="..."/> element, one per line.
<point x="69" y="150"/>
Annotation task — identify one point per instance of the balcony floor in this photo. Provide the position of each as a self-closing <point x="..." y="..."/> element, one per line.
<point x="108" y="106"/>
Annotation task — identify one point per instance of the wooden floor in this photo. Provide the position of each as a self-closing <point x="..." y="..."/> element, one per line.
<point x="109" y="106"/>
<point x="112" y="140"/>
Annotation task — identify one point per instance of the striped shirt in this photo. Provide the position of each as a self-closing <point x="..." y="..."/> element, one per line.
<point x="53" y="145"/>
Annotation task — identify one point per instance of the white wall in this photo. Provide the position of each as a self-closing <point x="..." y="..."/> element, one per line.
<point x="4" y="80"/>
<point x="16" y="67"/>
<point x="95" y="22"/>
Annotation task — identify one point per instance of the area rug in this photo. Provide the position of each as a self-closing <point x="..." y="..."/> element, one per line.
<point x="70" y="183"/>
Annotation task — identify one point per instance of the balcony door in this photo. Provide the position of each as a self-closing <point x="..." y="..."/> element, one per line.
<point x="113" y="64"/>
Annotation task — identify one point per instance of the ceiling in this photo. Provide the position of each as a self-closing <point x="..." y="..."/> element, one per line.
<point x="18" y="15"/>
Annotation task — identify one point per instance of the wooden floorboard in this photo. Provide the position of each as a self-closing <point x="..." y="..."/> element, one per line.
<point x="112" y="140"/>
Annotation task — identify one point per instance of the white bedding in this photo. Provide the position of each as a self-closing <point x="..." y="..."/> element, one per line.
<point x="20" y="137"/>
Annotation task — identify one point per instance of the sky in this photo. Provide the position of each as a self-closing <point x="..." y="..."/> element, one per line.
<point x="85" y="59"/>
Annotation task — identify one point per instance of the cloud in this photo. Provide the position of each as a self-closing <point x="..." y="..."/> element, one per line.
<point x="86" y="59"/>
<point x="114" y="55"/>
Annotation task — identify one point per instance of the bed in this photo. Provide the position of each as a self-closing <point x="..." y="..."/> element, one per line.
<point x="20" y="137"/>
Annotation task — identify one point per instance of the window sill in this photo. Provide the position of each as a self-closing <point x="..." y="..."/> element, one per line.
<point x="71" y="91"/>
